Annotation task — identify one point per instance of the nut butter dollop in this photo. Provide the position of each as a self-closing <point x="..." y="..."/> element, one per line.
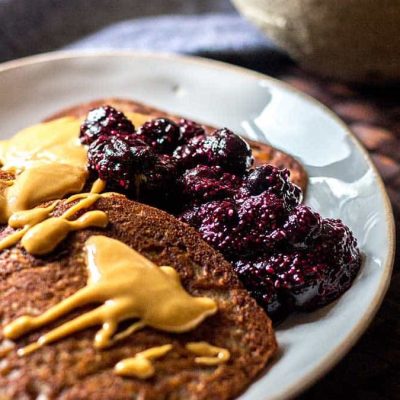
<point x="128" y="286"/>
<point x="48" y="161"/>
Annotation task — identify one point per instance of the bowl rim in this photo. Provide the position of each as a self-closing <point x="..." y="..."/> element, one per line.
<point x="337" y="353"/>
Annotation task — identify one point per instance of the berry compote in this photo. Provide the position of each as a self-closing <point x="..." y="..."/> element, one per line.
<point x="286" y="254"/>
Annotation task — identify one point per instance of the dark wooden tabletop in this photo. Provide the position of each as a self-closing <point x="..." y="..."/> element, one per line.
<point x="372" y="368"/>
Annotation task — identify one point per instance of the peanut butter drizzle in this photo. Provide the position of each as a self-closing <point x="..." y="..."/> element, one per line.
<point x="208" y="354"/>
<point x="130" y="287"/>
<point x="54" y="141"/>
<point x="40" y="234"/>
<point x="141" y="366"/>
<point x="25" y="220"/>
<point x="45" y="237"/>
<point x="39" y="183"/>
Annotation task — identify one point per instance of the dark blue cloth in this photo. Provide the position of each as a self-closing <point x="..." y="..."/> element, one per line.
<point x="29" y="27"/>
<point x="221" y="36"/>
<point x="188" y="34"/>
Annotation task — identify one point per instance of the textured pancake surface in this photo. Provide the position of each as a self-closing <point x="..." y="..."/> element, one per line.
<point x="263" y="153"/>
<point x="72" y="369"/>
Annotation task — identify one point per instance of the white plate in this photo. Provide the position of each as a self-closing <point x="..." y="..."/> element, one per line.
<point x="343" y="181"/>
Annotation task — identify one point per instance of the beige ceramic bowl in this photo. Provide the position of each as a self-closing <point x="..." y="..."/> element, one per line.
<point x="353" y="40"/>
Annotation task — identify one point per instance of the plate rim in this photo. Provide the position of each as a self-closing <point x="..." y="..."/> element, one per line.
<point x="336" y="354"/>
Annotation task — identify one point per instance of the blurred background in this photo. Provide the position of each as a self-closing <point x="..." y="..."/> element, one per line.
<point x="344" y="53"/>
<point x="202" y="27"/>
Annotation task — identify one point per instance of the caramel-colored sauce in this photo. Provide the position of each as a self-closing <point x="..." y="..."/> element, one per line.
<point x="208" y="354"/>
<point x="40" y="234"/>
<point x="141" y="366"/>
<point x="98" y="186"/>
<point x="48" y="161"/>
<point x="13" y="238"/>
<point x="129" y="286"/>
<point x="25" y="220"/>
<point x="31" y="217"/>
<point x="43" y="238"/>
<point x="40" y="183"/>
<point x="54" y="141"/>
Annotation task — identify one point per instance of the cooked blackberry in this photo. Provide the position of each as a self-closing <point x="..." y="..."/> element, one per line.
<point x="239" y="229"/>
<point x="189" y="129"/>
<point x="161" y="134"/>
<point x="104" y="121"/>
<point x="287" y="256"/>
<point x="222" y="147"/>
<point x="274" y="180"/>
<point x="157" y="185"/>
<point x="119" y="160"/>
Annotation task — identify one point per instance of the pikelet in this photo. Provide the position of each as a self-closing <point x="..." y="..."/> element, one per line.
<point x="72" y="367"/>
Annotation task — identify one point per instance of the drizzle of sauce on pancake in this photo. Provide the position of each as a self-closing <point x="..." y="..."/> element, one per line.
<point x="141" y="366"/>
<point x="40" y="234"/>
<point x="128" y="286"/>
<point x="208" y="354"/>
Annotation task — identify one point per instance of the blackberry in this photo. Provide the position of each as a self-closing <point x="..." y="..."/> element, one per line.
<point x="238" y="229"/>
<point x="189" y="129"/>
<point x="157" y="185"/>
<point x="222" y="147"/>
<point x="215" y="221"/>
<point x="302" y="225"/>
<point x="119" y="160"/>
<point x="104" y="121"/>
<point x="161" y="134"/>
<point x="274" y="180"/>
<point x="286" y="255"/>
<point x="260" y="284"/>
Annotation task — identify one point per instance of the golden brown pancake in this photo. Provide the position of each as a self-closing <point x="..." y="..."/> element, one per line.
<point x="73" y="369"/>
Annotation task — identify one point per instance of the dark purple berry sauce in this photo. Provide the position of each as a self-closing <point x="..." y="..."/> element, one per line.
<point x="204" y="183"/>
<point x="286" y="254"/>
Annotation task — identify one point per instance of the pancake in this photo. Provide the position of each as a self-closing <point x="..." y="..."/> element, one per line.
<point x="72" y="368"/>
<point x="263" y="153"/>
